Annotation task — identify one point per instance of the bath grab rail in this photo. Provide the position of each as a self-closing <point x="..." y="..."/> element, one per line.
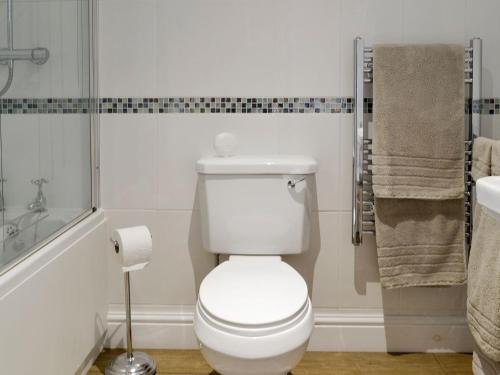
<point x="8" y="55"/>
<point x="363" y="216"/>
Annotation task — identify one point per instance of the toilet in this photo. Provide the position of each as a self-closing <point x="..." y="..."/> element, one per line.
<point x="253" y="314"/>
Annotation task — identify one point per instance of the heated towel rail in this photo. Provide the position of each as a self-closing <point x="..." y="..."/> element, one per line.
<point x="363" y="217"/>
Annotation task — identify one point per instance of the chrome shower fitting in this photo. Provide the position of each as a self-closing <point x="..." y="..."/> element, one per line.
<point x="8" y="55"/>
<point x="37" y="55"/>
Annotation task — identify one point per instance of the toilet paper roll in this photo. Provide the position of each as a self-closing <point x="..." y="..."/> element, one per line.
<point x="135" y="247"/>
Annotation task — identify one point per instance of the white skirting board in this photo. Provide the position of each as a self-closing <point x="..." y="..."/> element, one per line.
<point x="171" y="327"/>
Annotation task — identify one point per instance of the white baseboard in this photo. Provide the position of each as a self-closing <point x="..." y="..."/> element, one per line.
<point x="153" y="327"/>
<point x="335" y="330"/>
<point x="362" y="330"/>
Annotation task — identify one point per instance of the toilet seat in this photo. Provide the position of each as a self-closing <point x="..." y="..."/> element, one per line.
<point x="253" y="307"/>
<point x="253" y="331"/>
<point x="253" y="291"/>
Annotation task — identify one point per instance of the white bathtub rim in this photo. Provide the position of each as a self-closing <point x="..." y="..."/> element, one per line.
<point x="36" y="262"/>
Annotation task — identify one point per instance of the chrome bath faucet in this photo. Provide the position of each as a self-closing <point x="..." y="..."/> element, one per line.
<point x="39" y="204"/>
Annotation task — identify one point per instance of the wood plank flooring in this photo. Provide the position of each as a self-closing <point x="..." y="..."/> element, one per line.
<point x="191" y="362"/>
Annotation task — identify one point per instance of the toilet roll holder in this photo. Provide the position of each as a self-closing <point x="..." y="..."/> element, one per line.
<point x="130" y="362"/>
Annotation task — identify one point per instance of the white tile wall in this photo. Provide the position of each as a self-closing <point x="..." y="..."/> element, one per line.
<point x="220" y="47"/>
<point x="128" y="53"/>
<point x="258" y="48"/>
<point x="279" y="48"/>
<point x="429" y="21"/>
<point x="483" y="22"/>
<point x="490" y="126"/>
<point x="375" y="21"/>
<point x="129" y="159"/>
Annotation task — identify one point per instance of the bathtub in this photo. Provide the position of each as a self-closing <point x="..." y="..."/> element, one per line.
<point x="22" y="233"/>
<point x="53" y="303"/>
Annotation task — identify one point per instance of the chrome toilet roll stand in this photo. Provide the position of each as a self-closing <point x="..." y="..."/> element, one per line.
<point x="131" y="362"/>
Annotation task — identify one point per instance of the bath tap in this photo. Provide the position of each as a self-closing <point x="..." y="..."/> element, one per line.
<point x="39" y="204"/>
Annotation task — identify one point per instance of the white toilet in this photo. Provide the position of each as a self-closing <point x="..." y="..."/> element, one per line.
<point x="253" y="314"/>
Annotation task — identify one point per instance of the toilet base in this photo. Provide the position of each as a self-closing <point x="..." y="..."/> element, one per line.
<point x="278" y="365"/>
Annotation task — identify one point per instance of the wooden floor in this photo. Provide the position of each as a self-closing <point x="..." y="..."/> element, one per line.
<point x="317" y="363"/>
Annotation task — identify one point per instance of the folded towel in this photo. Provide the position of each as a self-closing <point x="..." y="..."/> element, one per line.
<point x="482" y="365"/>
<point x="418" y="164"/>
<point x="483" y="292"/>
<point x="495" y="159"/>
<point x="418" y="95"/>
<point x="481" y="157"/>
<point x="420" y="242"/>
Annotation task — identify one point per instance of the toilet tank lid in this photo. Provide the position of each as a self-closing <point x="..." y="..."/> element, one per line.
<point x="257" y="164"/>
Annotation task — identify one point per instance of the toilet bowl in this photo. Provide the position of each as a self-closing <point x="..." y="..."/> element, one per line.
<point x="253" y="316"/>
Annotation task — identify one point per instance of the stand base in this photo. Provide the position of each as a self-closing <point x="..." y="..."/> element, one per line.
<point x="141" y="364"/>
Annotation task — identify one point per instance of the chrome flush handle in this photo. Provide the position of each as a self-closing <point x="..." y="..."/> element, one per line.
<point x="293" y="181"/>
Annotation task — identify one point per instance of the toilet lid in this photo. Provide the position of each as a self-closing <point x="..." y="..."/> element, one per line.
<point x="253" y="290"/>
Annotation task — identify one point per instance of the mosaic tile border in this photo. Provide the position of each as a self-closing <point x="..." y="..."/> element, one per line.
<point x="489" y="106"/>
<point x="45" y="105"/>
<point x="207" y="105"/>
<point x="228" y="105"/>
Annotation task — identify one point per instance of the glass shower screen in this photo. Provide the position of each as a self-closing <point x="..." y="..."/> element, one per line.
<point x="45" y="122"/>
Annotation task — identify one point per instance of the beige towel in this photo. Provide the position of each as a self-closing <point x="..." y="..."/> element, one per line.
<point x="418" y="96"/>
<point x="418" y="164"/>
<point x="483" y="290"/>
<point x="495" y="159"/>
<point x="482" y="365"/>
<point x="481" y="157"/>
<point x="420" y="242"/>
